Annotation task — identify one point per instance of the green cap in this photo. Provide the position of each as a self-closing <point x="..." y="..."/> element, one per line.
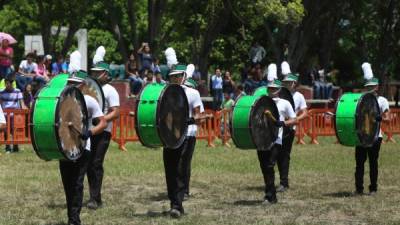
<point x="292" y="77"/>
<point x="275" y="84"/>
<point x="178" y="70"/>
<point x="101" y="66"/>
<point x="372" y="82"/>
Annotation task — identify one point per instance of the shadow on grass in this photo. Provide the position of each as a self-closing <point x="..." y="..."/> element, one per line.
<point x="340" y="194"/>
<point x="247" y="202"/>
<point x="57" y="205"/>
<point x="159" y="197"/>
<point x="59" y="223"/>
<point x="152" y="214"/>
<point x="255" y="188"/>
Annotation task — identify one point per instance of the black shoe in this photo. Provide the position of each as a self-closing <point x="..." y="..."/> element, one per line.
<point x="281" y="188"/>
<point x="15" y="149"/>
<point x="174" y="213"/>
<point x="92" y="204"/>
<point x="358" y="193"/>
<point x="186" y="197"/>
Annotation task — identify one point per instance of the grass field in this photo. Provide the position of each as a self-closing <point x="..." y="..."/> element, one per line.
<point x="226" y="184"/>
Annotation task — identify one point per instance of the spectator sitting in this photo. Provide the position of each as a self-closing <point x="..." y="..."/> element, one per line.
<point x="6" y="56"/>
<point x="159" y="79"/>
<point x="149" y="77"/>
<point x="155" y="67"/>
<point x="41" y="72"/>
<point x="322" y="89"/>
<point x="216" y="89"/>
<point x="59" y="66"/>
<point x="28" y="96"/>
<point x="47" y="63"/>
<point x="239" y="92"/>
<point x="11" y="98"/>
<point x="26" y="72"/>
<point x="146" y="58"/>
<point x="135" y="81"/>
<point x="257" y="53"/>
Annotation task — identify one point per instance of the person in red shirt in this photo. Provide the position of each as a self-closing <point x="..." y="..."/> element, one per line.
<point x="6" y="55"/>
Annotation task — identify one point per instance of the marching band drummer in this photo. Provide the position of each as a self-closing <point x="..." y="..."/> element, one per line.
<point x="267" y="158"/>
<point x="300" y="108"/>
<point x="73" y="173"/>
<point x="372" y="86"/>
<point x="177" y="162"/>
<point x="101" y="142"/>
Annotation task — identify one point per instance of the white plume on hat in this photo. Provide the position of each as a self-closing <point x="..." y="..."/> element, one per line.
<point x="285" y="68"/>
<point x="75" y="62"/>
<point x="272" y="72"/>
<point x="189" y="71"/>
<point x="171" y="57"/>
<point x="366" y="67"/>
<point x="99" y="56"/>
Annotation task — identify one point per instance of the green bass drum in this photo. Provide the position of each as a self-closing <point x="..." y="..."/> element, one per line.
<point x="355" y="119"/>
<point x="261" y="91"/>
<point x="162" y="114"/>
<point x="58" y="116"/>
<point x="250" y="128"/>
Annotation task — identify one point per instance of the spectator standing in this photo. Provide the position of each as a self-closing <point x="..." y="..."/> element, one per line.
<point x="322" y="89"/>
<point x="6" y="56"/>
<point x="216" y="89"/>
<point x="11" y="98"/>
<point x="145" y="57"/>
<point x="26" y="71"/>
<point x="228" y="86"/>
<point x="257" y="53"/>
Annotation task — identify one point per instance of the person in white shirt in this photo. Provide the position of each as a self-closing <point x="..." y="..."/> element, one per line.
<point x="300" y="108"/>
<point x="26" y="71"/>
<point x="3" y="122"/>
<point x="177" y="162"/>
<point x="95" y="172"/>
<point x="216" y="89"/>
<point x="267" y="158"/>
<point x="372" y="86"/>
<point x="73" y="172"/>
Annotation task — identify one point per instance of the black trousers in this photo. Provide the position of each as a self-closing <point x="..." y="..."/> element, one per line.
<point x="95" y="171"/>
<point x="73" y="175"/>
<point x="283" y="159"/>
<point x="177" y="165"/>
<point x="267" y="161"/>
<point x="361" y="157"/>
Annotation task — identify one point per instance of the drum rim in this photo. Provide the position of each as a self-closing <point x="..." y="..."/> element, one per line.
<point x="251" y="113"/>
<point x="31" y="127"/>
<point x="101" y="91"/>
<point x="231" y="121"/>
<point x="376" y="136"/>
<point x="334" y="121"/>
<point x="158" y="111"/>
<point x="137" y="121"/>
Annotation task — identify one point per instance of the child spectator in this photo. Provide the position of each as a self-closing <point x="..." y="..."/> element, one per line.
<point x="59" y="66"/>
<point x="228" y="102"/>
<point x="28" y="96"/>
<point x="159" y="78"/>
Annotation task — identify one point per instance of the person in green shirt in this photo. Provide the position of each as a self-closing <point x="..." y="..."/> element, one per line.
<point x="228" y="102"/>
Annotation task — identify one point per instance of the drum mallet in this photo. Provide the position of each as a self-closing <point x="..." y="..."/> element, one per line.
<point x="270" y="116"/>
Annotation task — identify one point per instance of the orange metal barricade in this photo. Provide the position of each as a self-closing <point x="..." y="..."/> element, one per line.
<point x="321" y="124"/>
<point x="393" y="126"/>
<point x="17" y="131"/>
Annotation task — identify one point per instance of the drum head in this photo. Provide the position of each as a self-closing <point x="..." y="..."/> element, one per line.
<point x="366" y="125"/>
<point x="72" y="119"/>
<point x="263" y="130"/>
<point x="93" y="89"/>
<point x="172" y="115"/>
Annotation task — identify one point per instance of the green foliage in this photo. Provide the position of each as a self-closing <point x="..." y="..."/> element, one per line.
<point x="97" y="37"/>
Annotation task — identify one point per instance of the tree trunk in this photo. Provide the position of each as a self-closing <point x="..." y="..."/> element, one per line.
<point x="156" y="10"/>
<point x="69" y="39"/>
<point x="116" y="29"/>
<point x="132" y="21"/>
<point x="45" y="25"/>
